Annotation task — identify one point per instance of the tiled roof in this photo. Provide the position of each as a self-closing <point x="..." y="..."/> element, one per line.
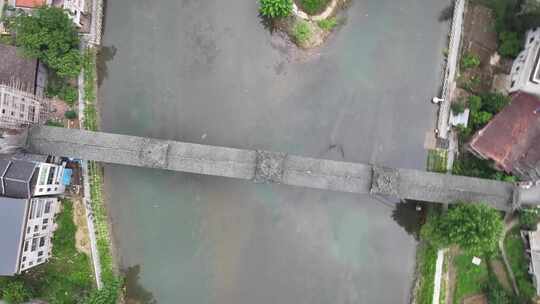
<point x="30" y="3"/>
<point x="512" y="138"/>
<point x="17" y="178"/>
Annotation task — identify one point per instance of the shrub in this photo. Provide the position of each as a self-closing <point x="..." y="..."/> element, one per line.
<point x="69" y="94"/>
<point x="476" y="228"/>
<point x="528" y="217"/>
<point x="53" y="123"/>
<point x="470" y="61"/>
<point x="14" y="292"/>
<point x="475" y="103"/>
<point x="510" y="44"/>
<point x="457" y="107"/>
<point x="70" y="114"/>
<point x="328" y="24"/>
<point x="313" y="7"/>
<point x="275" y="8"/>
<point x="494" y="102"/>
<point x="301" y="31"/>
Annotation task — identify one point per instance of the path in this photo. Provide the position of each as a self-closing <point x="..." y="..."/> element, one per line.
<point x="507" y="227"/>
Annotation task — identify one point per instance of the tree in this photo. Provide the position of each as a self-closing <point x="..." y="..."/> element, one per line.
<point x="476" y="228"/>
<point x="14" y="292"/>
<point x="510" y="44"/>
<point x="49" y="35"/>
<point x="276" y="8"/>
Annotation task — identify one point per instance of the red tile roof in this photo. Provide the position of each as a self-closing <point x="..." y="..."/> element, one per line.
<point x="512" y="137"/>
<point x="30" y="3"/>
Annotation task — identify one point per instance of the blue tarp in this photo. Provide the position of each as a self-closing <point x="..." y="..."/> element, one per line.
<point x="66" y="180"/>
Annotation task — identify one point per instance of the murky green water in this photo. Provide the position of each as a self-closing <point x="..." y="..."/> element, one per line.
<point x="206" y="71"/>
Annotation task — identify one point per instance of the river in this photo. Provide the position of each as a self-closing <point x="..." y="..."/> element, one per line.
<point x="207" y="71"/>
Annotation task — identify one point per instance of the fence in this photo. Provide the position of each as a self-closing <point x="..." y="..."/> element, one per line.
<point x="451" y="68"/>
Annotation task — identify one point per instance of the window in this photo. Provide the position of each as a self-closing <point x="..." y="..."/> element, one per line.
<point x="43" y="175"/>
<point x="34" y="245"/>
<point x="24" y="259"/>
<point x="50" y="178"/>
<point x="44" y="227"/>
<point x="39" y="260"/>
<point x="36" y="228"/>
<point x="42" y="241"/>
<point x="517" y="69"/>
<point x="40" y="253"/>
<point x="531" y="40"/>
<point x="22" y="266"/>
<point x="47" y="208"/>
<point x="30" y="264"/>
<point x="513" y="84"/>
<point x="26" y="246"/>
<point x="32" y="207"/>
<point x="28" y="229"/>
<point x="39" y="208"/>
<point x="45" y="221"/>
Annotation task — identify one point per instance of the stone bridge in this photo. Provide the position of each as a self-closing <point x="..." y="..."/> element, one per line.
<point x="271" y="167"/>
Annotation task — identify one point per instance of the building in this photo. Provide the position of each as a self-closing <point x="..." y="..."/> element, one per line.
<point x="512" y="138"/>
<point x="75" y="8"/>
<point x="27" y="212"/>
<point x="19" y="108"/>
<point x="525" y="73"/>
<point x="532" y="248"/>
<point x="25" y="74"/>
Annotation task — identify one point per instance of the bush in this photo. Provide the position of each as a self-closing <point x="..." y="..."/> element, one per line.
<point x="528" y="217"/>
<point x="313" y="7"/>
<point x="70" y="114"/>
<point x="470" y="61"/>
<point x="275" y="8"/>
<point x="510" y="44"/>
<point x="301" y="32"/>
<point x="494" y="102"/>
<point x="14" y="292"/>
<point x="457" y="107"/>
<point x="475" y="227"/>
<point x="328" y="24"/>
<point x="69" y="94"/>
<point x="475" y="103"/>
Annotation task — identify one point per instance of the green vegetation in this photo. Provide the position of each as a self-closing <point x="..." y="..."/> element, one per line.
<point x="529" y="217"/>
<point x="469" y="61"/>
<point x="437" y="160"/>
<point x="301" y="31"/>
<point x="70" y="114"/>
<point x="53" y="123"/>
<point x="470" y="279"/>
<point x="457" y="107"/>
<point x="328" y="24"/>
<point x="470" y="84"/>
<point x="476" y="228"/>
<point x="66" y="278"/>
<point x="469" y="165"/>
<point x="49" y="35"/>
<point x="275" y="8"/>
<point x="426" y="260"/>
<point x="89" y="72"/>
<point x="510" y="44"/>
<point x="515" y="251"/>
<point x="313" y="7"/>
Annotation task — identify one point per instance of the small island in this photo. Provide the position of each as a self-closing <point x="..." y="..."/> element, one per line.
<point x="307" y="22"/>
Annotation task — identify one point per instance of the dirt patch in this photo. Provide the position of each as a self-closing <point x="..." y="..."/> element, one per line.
<point x="82" y="242"/>
<point x="500" y="272"/>
<point x="476" y="299"/>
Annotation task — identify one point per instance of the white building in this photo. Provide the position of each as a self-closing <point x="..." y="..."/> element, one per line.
<point x="525" y="73"/>
<point x="26" y="213"/>
<point x="532" y="240"/>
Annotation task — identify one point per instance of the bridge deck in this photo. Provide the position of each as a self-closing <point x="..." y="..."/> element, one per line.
<point x="264" y="166"/>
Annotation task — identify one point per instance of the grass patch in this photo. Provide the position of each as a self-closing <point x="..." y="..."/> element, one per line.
<point x="301" y="31"/>
<point x="89" y="72"/>
<point x="515" y="251"/>
<point x="67" y="277"/>
<point x="437" y="160"/>
<point x="313" y="7"/>
<point x="328" y="24"/>
<point x="470" y="279"/>
<point x="426" y="260"/>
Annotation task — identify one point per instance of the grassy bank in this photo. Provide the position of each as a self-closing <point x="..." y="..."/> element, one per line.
<point x="513" y="245"/>
<point x="470" y="279"/>
<point x="111" y="282"/>
<point x="426" y="260"/>
<point x="66" y="278"/>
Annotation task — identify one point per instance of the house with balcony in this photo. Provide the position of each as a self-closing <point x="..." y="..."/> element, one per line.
<point x="525" y="72"/>
<point x="532" y="248"/>
<point x="27" y="211"/>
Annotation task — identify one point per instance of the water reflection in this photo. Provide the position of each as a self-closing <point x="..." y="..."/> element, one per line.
<point x="105" y="54"/>
<point x="135" y="292"/>
<point x="409" y="215"/>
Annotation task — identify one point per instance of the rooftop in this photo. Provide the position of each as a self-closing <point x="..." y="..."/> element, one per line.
<point x="15" y="69"/>
<point x="17" y="178"/>
<point x="30" y="3"/>
<point x="512" y="138"/>
<point x="12" y="215"/>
